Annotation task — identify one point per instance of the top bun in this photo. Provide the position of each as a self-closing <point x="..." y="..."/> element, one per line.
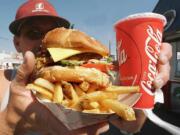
<point x="74" y="39"/>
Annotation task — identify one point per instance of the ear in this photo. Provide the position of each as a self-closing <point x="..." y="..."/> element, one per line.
<point x="16" y="43"/>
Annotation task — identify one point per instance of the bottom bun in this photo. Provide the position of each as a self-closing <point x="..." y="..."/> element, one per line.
<point x="74" y="74"/>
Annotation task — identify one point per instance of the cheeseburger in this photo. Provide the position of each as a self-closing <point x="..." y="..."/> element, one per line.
<point x="72" y="56"/>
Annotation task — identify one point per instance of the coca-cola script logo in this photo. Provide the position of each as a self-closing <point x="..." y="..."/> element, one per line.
<point x="152" y="49"/>
<point x="122" y="56"/>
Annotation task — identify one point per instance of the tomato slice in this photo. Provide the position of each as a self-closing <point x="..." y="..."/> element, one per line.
<point x="99" y="66"/>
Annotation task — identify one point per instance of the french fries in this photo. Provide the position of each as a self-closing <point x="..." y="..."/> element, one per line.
<point x="44" y="83"/>
<point x="99" y="95"/>
<point x="42" y="97"/>
<point x="94" y="105"/>
<point x="122" y="89"/>
<point x="58" y="93"/>
<point x="87" y="104"/>
<point x="84" y="86"/>
<point x="124" y="111"/>
<point x="78" y="90"/>
<point x="40" y="90"/>
<point x="85" y="97"/>
<point x="70" y="92"/>
<point x="92" y="111"/>
<point x="65" y="102"/>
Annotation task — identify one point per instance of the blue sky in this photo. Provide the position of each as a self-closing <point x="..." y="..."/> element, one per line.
<point x="95" y="17"/>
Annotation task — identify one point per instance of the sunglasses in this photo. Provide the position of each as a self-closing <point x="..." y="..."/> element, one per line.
<point x="34" y="33"/>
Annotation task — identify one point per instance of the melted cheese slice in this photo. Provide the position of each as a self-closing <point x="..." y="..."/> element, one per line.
<point x="58" y="54"/>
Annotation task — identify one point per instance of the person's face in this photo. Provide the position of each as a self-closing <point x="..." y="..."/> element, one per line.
<point x="32" y="33"/>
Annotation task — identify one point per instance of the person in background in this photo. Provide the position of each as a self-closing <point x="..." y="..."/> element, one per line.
<point x="33" y="20"/>
<point x="23" y="113"/>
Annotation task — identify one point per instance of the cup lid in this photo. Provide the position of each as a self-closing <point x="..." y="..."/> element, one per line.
<point x="143" y="15"/>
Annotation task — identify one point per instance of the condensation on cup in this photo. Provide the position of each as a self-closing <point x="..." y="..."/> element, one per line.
<point x="139" y="39"/>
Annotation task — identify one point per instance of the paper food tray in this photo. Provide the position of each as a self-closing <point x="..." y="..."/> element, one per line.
<point x="74" y="119"/>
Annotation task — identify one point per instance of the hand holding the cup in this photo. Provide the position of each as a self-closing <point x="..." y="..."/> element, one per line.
<point x="163" y="66"/>
<point x="161" y="79"/>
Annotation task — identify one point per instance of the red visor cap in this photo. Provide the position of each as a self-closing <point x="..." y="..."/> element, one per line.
<point x="36" y="8"/>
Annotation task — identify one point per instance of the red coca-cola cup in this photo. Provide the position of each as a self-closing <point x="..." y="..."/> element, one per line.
<point x="139" y="39"/>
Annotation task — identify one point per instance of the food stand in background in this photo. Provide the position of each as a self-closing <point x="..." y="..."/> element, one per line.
<point x="10" y="60"/>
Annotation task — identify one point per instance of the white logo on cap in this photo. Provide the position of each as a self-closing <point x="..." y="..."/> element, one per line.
<point x="39" y="7"/>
